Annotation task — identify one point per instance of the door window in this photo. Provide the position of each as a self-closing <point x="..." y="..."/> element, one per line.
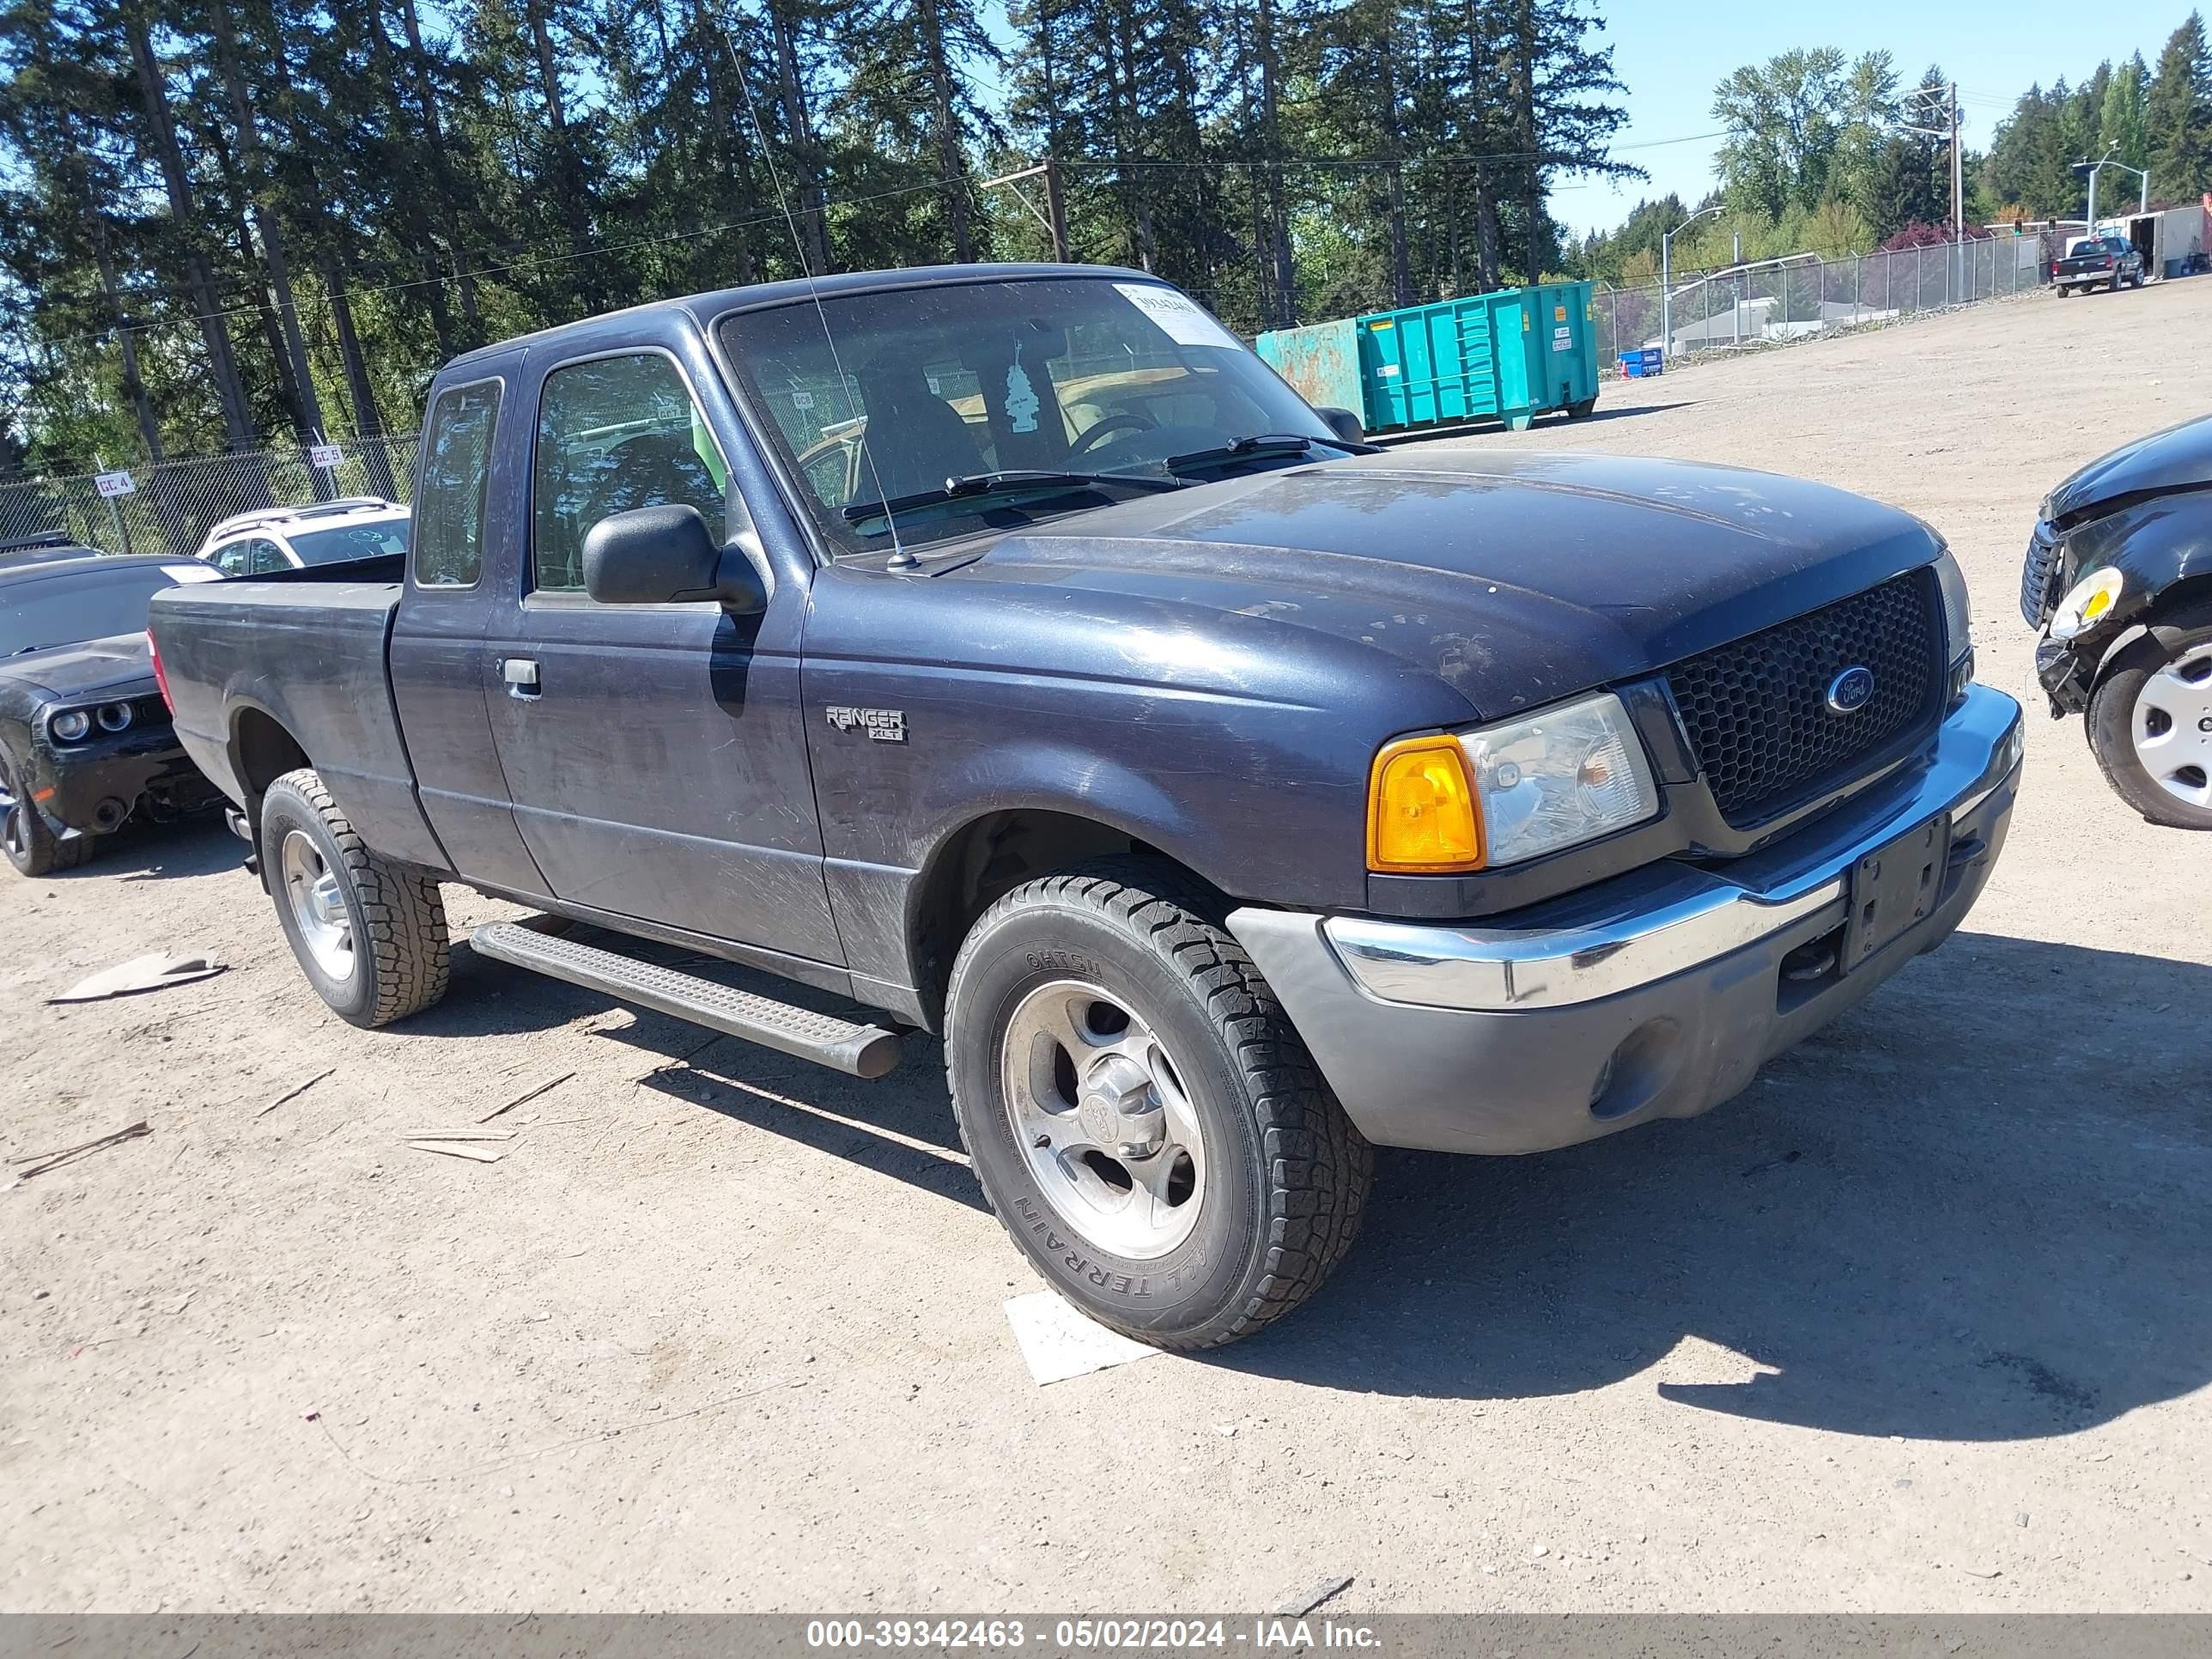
<point x="616" y="433"/>
<point x="449" y="496"/>
<point x="231" y="559"/>
<point x="265" y="558"/>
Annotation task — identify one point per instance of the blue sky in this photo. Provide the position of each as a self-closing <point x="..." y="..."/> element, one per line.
<point x="1671" y="55"/>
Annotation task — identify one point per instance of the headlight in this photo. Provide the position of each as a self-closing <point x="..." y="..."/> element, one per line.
<point x="1567" y="775"/>
<point x="2087" y="603"/>
<point x="1508" y="793"/>
<point x="71" y="726"/>
<point x="1958" y="611"/>
<point x="115" y="717"/>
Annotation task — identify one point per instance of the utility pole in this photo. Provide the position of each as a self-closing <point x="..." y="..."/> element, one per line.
<point x="1948" y="110"/>
<point x="1053" y="217"/>
<point x="1667" y="278"/>
<point x="1958" y="175"/>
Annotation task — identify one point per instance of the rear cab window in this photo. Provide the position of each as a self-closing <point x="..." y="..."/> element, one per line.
<point x="449" y="496"/>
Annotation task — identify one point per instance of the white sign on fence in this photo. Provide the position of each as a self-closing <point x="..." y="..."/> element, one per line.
<point x="111" y="484"/>
<point x="329" y="456"/>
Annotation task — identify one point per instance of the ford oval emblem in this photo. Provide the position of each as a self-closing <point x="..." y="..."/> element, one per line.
<point x="1850" y="690"/>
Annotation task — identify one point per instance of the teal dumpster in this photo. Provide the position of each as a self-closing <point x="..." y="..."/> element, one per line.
<point x="1506" y="356"/>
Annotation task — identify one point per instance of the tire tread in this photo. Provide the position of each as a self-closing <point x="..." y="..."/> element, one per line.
<point x="410" y="943"/>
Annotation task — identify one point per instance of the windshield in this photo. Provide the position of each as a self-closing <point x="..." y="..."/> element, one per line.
<point x="1089" y="375"/>
<point x="347" y="542"/>
<point x="80" y="606"/>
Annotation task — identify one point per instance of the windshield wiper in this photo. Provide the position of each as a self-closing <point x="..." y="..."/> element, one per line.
<point x="1259" y="446"/>
<point x="1008" y="481"/>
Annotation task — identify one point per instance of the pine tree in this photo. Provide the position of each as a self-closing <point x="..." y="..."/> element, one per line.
<point x="2120" y="131"/>
<point x="2177" y="115"/>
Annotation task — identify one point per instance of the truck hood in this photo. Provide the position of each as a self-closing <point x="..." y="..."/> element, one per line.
<point x="2179" y="458"/>
<point x="121" y="667"/>
<point x="1515" y="578"/>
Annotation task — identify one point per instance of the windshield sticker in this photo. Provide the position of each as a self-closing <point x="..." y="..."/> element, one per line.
<point x="1021" y="397"/>
<point x="1180" y="317"/>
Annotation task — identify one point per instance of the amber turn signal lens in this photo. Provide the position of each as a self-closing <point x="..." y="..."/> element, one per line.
<point x="1421" y="813"/>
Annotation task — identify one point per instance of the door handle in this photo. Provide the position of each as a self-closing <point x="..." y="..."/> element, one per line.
<point x="521" y="676"/>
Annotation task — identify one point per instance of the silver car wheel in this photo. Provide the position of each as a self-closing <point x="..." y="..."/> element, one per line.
<point x="12" y="827"/>
<point x="317" y="906"/>
<point x="2172" y="726"/>
<point x="1099" y="1110"/>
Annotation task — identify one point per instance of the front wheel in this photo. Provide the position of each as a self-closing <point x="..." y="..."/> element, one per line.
<point x="2151" y="721"/>
<point x="32" y="847"/>
<point x="1141" y="1115"/>
<point x="369" y="935"/>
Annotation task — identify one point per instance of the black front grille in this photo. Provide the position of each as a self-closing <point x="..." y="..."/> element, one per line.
<point x="2038" y="576"/>
<point x="1757" y="710"/>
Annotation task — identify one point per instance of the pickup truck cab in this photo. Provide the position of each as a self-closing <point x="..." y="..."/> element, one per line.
<point x="1008" y="649"/>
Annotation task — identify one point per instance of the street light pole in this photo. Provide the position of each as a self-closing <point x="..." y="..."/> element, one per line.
<point x="2097" y="167"/>
<point x="2142" y="201"/>
<point x="1667" y="278"/>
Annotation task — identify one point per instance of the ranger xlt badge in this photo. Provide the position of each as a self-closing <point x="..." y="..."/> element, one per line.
<point x="882" y="725"/>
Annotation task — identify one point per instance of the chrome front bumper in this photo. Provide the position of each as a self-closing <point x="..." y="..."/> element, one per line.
<point x="1654" y="994"/>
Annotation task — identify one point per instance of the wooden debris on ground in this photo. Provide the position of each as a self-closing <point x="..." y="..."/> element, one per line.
<point x="33" y="1163"/>
<point x="460" y="1149"/>
<point x="294" y="1094"/>
<point x="523" y="1100"/>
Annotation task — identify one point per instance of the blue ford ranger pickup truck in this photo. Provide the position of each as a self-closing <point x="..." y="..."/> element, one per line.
<point x="1008" y="650"/>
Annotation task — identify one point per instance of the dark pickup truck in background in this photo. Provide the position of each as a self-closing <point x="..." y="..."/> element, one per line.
<point x="2108" y="262"/>
<point x="1009" y="650"/>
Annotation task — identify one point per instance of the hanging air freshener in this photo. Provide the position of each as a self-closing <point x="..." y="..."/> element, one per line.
<point x="1021" y="397"/>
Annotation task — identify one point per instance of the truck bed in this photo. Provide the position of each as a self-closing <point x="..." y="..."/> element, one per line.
<point x="309" y="649"/>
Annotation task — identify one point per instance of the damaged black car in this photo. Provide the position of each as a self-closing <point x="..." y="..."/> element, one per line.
<point x="85" y="740"/>
<point x="2118" y="579"/>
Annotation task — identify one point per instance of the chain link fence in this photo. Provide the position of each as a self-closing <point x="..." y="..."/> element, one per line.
<point x="1776" y="301"/>
<point x="169" y="508"/>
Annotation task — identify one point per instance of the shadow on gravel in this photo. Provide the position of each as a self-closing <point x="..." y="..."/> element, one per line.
<point x="1973" y="1210"/>
<point x="197" y="846"/>
<point x="901" y="1126"/>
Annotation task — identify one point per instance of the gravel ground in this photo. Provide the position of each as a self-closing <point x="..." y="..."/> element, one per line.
<point x="1922" y="1320"/>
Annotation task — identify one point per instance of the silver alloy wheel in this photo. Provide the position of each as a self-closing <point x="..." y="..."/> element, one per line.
<point x="1099" y="1109"/>
<point x="317" y="906"/>
<point x="14" y="832"/>
<point x="2171" y="727"/>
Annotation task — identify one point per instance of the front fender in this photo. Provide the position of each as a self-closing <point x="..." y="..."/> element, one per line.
<point x="2156" y="544"/>
<point x="2163" y="549"/>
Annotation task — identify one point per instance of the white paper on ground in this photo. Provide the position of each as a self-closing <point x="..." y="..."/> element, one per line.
<point x="1180" y="317"/>
<point x="1058" y="1343"/>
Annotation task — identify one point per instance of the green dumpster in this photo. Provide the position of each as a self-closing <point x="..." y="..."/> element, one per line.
<point x="1509" y="356"/>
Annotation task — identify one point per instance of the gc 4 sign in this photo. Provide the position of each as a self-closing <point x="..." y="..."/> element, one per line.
<point x="111" y="484"/>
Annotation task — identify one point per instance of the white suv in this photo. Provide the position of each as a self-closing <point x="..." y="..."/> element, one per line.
<point x="289" y="537"/>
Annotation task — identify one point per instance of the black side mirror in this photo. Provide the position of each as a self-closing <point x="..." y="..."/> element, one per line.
<point x="1343" y="422"/>
<point x="667" y="555"/>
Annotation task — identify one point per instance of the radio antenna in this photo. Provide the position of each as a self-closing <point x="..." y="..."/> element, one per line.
<point x="900" y="559"/>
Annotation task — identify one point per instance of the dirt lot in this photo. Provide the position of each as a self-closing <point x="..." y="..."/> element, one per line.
<point x="1921" y="1320"/>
